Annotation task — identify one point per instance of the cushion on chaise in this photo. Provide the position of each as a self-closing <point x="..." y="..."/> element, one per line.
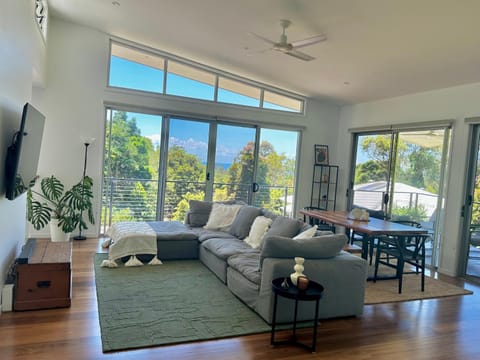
<point x="223" y="248"/>
<point x="247" y="265"/>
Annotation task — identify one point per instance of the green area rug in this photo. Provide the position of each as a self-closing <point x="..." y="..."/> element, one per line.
<point x="176" y="302"/>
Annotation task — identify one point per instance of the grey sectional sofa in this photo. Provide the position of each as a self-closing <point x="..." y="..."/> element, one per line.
<point x="249" y="272"/>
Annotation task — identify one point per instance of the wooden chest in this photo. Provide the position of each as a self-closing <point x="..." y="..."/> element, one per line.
<point x="44" y="281"/>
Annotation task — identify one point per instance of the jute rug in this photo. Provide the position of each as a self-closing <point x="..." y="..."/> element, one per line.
<point x="385" y="291"/>
<point x="165" y="304"/>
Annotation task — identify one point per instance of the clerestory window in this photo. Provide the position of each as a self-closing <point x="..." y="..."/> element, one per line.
<point x="142" y="70"/>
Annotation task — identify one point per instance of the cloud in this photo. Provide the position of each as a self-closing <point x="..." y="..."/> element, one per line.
<point x="198" y="148"/>
<point x="155" y="139"/>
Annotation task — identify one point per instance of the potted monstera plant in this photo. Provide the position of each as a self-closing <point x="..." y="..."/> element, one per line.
<point x="63" y="210"/>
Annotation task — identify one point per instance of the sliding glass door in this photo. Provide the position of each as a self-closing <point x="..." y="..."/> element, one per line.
<point x="235" y="162"/>
<point x="130" y="178"/>
<point x="153" y="166"/>
<point x="471" y="209"/>
<point x="275" y="174"/>
<point x="185" y="176"/>
<point x="371" y="180"/>
<point x="399" y="174"/>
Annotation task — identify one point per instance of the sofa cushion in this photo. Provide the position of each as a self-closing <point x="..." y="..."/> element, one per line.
<point x="284" y="226"/>
<point x="269" y="214"/>
<point x="243" y="221"/>
<point x="247" y="265"/>
<point x="320" y="247"/>
<point x="204" y="234"/>
<point x="222" y="216"/>
<point x="257" y="231"/>
<point x="198" y="213"/>
<point x="224" y="248"/>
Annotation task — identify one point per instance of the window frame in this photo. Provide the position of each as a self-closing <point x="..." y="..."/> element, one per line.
<point x="215" y="72"/>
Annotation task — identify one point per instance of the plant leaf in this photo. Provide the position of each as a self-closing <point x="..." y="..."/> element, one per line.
<point x="52" y="188"/>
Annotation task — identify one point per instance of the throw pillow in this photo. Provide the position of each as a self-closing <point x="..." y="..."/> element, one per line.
<point x="221" y="217"/>
<point x="199" y="212"/>
<point x="309" y="233"/>
<point x="257" y="231"/>
<point x="284" y="226"/>
<point x="244" y="220"/>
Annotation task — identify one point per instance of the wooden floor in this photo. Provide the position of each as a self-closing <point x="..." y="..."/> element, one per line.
<point x="445" y="328"/>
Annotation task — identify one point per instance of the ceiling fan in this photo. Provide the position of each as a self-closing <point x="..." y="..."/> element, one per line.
<point x="285" y="47"/>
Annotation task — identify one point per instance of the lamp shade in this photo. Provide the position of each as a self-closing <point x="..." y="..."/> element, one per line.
<point x="87" y="140"/>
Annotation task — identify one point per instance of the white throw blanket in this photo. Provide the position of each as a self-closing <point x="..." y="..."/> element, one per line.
<point x="130" y="239"/>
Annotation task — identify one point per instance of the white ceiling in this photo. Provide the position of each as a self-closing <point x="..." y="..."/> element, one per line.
<point x="375" y="48"/>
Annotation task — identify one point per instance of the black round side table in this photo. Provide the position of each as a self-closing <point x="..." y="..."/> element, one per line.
<point x="312" y="293"/>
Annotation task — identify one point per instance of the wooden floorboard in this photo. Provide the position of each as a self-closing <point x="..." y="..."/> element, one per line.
<point x="444" y="328"/>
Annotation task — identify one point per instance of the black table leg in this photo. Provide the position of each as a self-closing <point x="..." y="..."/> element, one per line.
<point x="295" y="321"/>
<point x="315" y="325"/>
<point x="365" y="241"/>
<point x="272" y="335"/>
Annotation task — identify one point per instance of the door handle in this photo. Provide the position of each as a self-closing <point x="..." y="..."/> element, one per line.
<point x="255" y="187"/>
<point x="386" y="199"/>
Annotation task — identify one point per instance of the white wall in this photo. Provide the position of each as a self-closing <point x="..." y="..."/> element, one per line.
<point x="456" y="104"/>
<point x="73" y="102"/>
<point x="22" y="52"/>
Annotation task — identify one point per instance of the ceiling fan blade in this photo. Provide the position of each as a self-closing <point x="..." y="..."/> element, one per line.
<point x="255" y="52"/>
<point x="263" y="38"/>
<point x="309" y="41"/>
<point x="299" y="55"/>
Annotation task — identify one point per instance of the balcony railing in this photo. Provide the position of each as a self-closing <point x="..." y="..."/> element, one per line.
<point x="420" y="206"/>
<point x="136" y="199"/>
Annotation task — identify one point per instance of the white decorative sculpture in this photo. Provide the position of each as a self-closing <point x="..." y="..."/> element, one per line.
<point x="298" y="270"/>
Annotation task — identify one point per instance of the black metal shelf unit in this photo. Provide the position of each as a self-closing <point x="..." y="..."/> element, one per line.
<point x="324" y="187"/>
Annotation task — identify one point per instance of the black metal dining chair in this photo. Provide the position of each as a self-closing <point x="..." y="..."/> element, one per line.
<point x="406" y="250"/>
<point x="321" y="225"/>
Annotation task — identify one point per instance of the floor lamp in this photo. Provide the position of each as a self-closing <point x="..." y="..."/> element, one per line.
<point x="86" y="141"/>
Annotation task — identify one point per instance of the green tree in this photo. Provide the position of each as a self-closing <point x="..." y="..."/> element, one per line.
<point x="378" y="149"/>
<point x="273" y="169"/>
<point x="185" y="174"/>
<point x="183" y="205"/>
<point x="370" y="171"/>
<point x="128" y="152"/>
<point x="422" y="167"/>
<point x="128" y="165"/>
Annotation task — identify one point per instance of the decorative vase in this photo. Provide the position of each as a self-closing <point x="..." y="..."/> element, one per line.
<point x="298" y="270"/>
<point x="56" y="232"/>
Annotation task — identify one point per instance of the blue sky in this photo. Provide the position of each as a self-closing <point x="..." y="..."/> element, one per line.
<point x="191" y="135"/>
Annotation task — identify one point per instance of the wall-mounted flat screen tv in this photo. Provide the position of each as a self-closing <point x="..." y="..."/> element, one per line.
<point x="23" y="153"/>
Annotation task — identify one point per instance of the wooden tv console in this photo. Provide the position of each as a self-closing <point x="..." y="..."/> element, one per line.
<point x="43" y="275"/>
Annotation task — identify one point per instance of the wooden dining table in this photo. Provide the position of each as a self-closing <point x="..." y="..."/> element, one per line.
<point x="370" y="229"/>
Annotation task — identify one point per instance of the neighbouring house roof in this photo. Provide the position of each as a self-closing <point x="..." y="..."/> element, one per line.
<point x="370" y="195"/>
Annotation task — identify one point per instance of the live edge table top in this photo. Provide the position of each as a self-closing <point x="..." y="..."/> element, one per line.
<point x="371" y="227"/>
